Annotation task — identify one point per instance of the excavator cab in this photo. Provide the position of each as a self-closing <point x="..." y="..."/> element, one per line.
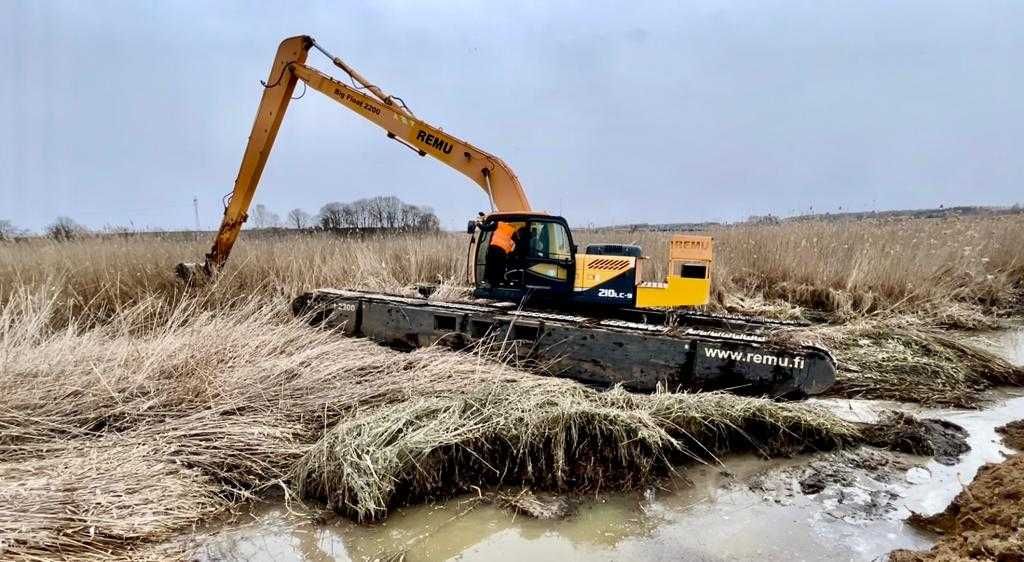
<point x="531" y="258"/>
<point x="520" y="254"/>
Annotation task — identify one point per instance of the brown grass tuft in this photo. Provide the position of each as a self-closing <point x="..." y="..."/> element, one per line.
<point x="544" y="433"/>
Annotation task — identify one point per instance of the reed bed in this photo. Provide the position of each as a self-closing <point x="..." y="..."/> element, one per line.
<point x="953" y="272"/>
<point x="133" y="409"/>
<point x="96" y="279"/>
<point x="118" y="436"/>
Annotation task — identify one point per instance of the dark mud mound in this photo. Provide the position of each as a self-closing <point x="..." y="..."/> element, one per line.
<point x="985" y="521"/>
<point x="863" y="483"/>
<point x="904" y="433"/>
<point x="1013" y="434"/>
<point x="855" y="486"/>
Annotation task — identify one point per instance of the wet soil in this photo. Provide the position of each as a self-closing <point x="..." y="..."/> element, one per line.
<point x="1013" y="434"/>
<point x="865" y="484"/>
<point x="852" y="486"/>
<point x="900" y="431"/>
<point x="985" y="520"/>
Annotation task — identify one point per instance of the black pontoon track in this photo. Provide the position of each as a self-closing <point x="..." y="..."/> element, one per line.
<point x="690" y="351"/>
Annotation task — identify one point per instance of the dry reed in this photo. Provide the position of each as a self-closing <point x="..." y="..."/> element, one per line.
<point x="899" y="358"/>
<point x="132" y="408"/>
<point x="160" y="417"/>
<point x="954" y="271"/>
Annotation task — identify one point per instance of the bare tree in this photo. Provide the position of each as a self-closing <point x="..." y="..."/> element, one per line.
<point x="299" y="219"/>
<point x="334" y="216"/>
<point x="388" y="213"/>
<point x="65" y="228"/>
<point x="425" y="220"/>
<point x="262" y="217"/>
<point x="8" y="231"/>
<point x="359" y="214"/>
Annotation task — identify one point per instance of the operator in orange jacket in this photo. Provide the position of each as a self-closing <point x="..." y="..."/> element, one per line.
<point x="498" y="250"/>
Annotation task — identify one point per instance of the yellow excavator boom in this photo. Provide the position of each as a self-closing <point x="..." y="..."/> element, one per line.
<point x="497" y="180"/>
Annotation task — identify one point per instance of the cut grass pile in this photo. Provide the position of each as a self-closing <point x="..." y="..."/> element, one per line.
<point x="118" y="436"/>
<point x="546" y="434"/>
<point x="899" y="358"/>
<point x="100" y="502"/>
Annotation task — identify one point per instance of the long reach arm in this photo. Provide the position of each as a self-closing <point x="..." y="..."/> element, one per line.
<point x="488" y="171"/>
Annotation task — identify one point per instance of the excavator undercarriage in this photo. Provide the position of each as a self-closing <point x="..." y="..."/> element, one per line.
<point x="674" y="350"/>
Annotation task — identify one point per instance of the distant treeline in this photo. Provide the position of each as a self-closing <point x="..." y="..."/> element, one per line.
<point x="363" y="217"/>
<point x="381" y="213"/>
<point x="385" y="215"/>
<point x="941" y="212"/>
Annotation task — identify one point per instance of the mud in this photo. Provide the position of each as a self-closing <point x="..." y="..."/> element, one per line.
<point x="853" y="486"/>
<point x="985" y="520"/>
<point x="866" y="483"/>
<point x="1013" y="434"/>
<point x="899" y="431"/>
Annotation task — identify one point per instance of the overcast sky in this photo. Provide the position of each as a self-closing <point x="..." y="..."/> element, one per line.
<point x="119" y="113"/>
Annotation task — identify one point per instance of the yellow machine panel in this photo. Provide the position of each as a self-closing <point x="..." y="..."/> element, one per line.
<point x="689" y="275"/>
<point x="690" y="247"/>
<point x="679" y="291"/>
<point x="591" y="271"/>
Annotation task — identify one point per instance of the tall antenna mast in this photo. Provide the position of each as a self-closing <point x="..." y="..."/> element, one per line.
<point x="195" y="209"/>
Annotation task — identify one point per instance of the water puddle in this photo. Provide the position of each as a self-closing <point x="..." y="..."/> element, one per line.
<point x="745" y="508"/>
<point x="1007" y="343"/>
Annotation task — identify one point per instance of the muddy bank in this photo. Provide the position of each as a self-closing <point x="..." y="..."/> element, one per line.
<point x="863" y="484"/>
<point x="902" y="432"/>
<point x="858" y="511"/>
<point x="986" y="520"/>
<point x="1013" y="434"/>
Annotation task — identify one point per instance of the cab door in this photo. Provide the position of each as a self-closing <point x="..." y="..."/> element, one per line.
<point x="545" y="254"/>
<point x="539" y="259"/>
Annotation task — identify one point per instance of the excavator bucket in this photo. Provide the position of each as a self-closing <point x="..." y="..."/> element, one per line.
<point x="192" y="273"/>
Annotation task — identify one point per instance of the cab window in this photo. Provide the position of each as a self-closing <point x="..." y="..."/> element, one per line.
<point x="549" y="240"/>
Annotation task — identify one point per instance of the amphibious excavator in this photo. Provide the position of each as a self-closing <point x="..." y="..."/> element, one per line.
<point x="586" y="315"/>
